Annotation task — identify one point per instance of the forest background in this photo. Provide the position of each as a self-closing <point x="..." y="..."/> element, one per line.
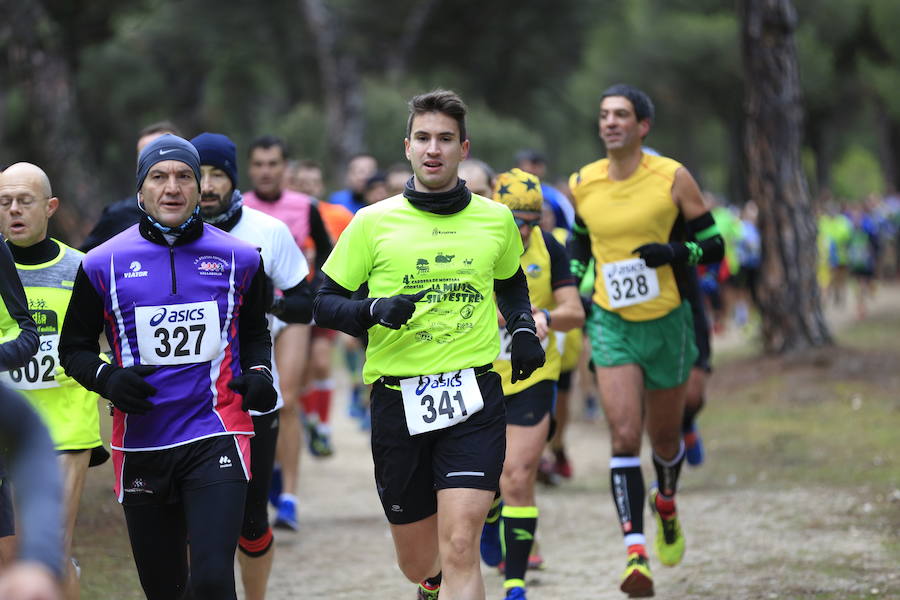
<point x="83" y="76"/>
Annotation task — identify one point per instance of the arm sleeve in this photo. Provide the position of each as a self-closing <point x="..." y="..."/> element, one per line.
<point x="319" y="236"/>
<point x="706" y="245"/>
<point x="18" y="333"/>
<point x="79" y="346"/>
<point x="334" y="308"/>
<point x="38" y="486"/>
<point x="513" y="302"/>
<point x="295" y="306"/>
<point x="560" y="274"/>
<point x="253" y="330"/>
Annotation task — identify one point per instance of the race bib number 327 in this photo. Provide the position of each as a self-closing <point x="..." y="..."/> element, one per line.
<point x="629" y="282"/>
<point x="433" y="402"/>
<point x="178" y="334"/>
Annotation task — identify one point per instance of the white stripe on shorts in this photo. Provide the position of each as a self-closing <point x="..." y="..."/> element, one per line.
<point x="465" y="474"/>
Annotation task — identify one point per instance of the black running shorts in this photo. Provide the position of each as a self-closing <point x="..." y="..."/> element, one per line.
<point x="7" y="513"/>
<point x="409" y="469"/>
<point x="159" y="476"/>
<point x="528" y="407"/>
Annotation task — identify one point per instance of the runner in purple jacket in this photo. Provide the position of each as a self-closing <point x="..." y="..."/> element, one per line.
<point x="183" y="308"/>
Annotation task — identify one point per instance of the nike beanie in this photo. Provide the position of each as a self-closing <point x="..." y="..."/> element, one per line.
<point x="168" y="147"/>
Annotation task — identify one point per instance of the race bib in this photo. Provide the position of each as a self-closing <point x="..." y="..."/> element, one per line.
<point x="629" y="282"/>
<point x="434" y="402"/>
<point x="506" y="344"/>
<point x="39" y="372"/>
<point x="178" y="334"/>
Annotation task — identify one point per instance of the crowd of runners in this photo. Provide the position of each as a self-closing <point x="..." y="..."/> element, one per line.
<point x="465" y="304"/>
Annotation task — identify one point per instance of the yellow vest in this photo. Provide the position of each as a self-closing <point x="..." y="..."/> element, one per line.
<point x="536" y="263"/>
<point x="622" y="215"/>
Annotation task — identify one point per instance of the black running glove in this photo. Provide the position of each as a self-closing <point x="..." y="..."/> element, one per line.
<point x="395" y="311"/>
<point x="657" y="255"/>
<point x="526" y="354"/>
<point x="255" y="386"/>
<point x="126" y="388"/>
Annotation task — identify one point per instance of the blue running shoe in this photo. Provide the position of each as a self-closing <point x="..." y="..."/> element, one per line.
<point x="286" y="518"/>
<point x="491" y="551"/>
<point x="275" y="486"/>
<point x="693" y="447"/>
<point x="516" y="593"/>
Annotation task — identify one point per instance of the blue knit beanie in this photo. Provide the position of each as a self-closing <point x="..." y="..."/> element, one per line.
<point x="218" y="151"/>
<point x="167" y="147"/>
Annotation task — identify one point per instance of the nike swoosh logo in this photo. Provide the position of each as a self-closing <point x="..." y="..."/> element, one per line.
<point x="161" y="152"/>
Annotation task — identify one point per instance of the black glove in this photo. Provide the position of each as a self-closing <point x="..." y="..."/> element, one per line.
<point x="526" y="355"/>
<point x="255" y="386"/>
<point x="126" y="389"/>
<point x="395" y="311"/>
<point x="657" y="255"/>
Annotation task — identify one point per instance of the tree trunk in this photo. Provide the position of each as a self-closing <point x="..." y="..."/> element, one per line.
<point x="789" y="296"/>
<point x="887" y="130"/>
<point x="413" y="27"/>
<point x="36" y="64"/>
<point x="341" y="85"/>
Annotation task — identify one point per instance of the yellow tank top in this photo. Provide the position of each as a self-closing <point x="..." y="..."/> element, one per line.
<point x="622" y="215"/>
<point x="536" y="265"/>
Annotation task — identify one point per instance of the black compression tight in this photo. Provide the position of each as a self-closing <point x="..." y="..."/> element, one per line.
<point x="211" y="518"/>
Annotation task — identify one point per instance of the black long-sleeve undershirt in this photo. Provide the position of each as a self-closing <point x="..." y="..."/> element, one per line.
<point x="295" y="305"/>
<point x="18" y="350"/>
<point x="334" y="307"/>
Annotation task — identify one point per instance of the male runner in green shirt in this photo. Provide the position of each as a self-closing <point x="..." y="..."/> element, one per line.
<point x="433" y="259"/>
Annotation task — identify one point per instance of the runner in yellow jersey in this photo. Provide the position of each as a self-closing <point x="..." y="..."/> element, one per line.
<point x="47" y="269"/>
<point x="433" y="259"/>
<point x="555" y="307"/>
<point x="643" y="219"/>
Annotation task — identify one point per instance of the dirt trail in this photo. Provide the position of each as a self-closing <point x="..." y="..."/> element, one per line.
<point x="744" y="541"/>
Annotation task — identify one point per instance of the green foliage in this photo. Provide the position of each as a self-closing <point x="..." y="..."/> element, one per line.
<point x="857" y="174"/>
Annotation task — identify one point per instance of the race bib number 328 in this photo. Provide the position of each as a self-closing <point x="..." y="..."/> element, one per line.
<point x="178" y="334"/>
<point x="433" y="402"/>
<point x="629" y="282"/>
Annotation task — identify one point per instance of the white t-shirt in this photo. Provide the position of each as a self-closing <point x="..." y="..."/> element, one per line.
<point x="283" y="261"/>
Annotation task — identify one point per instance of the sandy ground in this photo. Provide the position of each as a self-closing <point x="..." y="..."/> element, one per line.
<point x="745" y="541"/>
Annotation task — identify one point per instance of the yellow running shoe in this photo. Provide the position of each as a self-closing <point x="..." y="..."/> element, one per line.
<point x="637" y="581"/>
<point x="669" y="543"/>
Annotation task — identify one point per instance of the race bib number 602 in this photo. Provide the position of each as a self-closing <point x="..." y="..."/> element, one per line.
<point x="434" y="402"/>
<point x="178" y="334"/>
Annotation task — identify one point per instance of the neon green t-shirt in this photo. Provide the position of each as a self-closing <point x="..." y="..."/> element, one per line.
<point x="400" y="249"/>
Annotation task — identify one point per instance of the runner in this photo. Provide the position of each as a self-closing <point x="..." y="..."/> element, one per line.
<point x="359" y="168"/>
<point x="432" y="260"/>
<point x="268" y="156"/>
<point x="221" y="205"/>
<point x="47" y="270"/>
<point x="183" y="308"/>
<point x="36" y="573"/>
<point x="19" y="341"/>
<point x="640" y="326"/>
<point x="479" y="177"/>
<point x="555" y="306"/>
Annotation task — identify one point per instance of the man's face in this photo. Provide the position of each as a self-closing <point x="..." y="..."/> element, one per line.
<point x="476" y="180"/>
<point x="146" y="139"/>
<point x="434" y="151"/>
<point x="376" y="192"/>
<point x="305" y="181"/>
<point x="215" y="191"/>
<point x="526" y="220"/>
<point x="619" y="127"/>
<point x="169" y="193"/>
<point x="25" y="207"/>
<point x="267" y="170"/>
<point x="359" y="170"/>
<point x="396" y="181"/>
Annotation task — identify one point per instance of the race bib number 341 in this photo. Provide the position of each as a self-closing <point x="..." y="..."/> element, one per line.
<point x="178" y="334"/>
<point x="629" y="282"/>
<point x="433" y="402"/>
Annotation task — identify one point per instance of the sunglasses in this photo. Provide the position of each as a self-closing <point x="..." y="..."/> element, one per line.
<point x="533" y="222"/>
